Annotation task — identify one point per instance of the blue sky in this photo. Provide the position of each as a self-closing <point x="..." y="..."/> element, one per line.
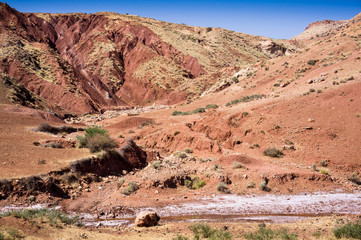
<point x="276" y="19"/>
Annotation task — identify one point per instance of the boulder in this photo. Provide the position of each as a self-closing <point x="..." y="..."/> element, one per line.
<point x="147" y="219"/>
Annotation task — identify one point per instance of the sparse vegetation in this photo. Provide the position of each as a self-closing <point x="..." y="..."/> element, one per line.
<point x="222" y="187"/>
<point x="236" y="165"/>
<point x="324" y="171"/>
<point x="132" y="187"/>
<point x="251" y="185"/>
<point x="264" y="233"/>
<point x="204" y="231"/>
<point x="355" y="179"/>
<point x="212" y="106"/>
<point x="312" y="62"/>
<point x="263" y="186"/>
<point x="120" y="182"/>
<point x="156" y="164"/>
<point x="44" y="127"/>
<point x="349" y="230"/>
<point x="194" y="183"/>
<point x="54" y="217"/>
<point x="273" y="152"/>
<point x="246" y="99"/>
<point x="96" y="139"/>
<point x="188" y="150"/>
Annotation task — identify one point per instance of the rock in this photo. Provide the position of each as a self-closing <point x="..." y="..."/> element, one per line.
<point x="147" y="219"/>
<point x="288" y="147"/>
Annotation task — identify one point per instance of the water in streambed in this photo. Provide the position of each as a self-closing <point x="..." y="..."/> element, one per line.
<point x="270" y="208"/>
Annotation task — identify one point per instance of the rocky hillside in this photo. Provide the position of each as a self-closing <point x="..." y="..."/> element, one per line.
<point x="82" y="63"/>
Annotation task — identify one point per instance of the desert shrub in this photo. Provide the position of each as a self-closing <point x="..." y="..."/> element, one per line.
<point x="176" y="133"/>
<point x="215" y="167"/>
<point x="263" y="186"/>
<point x="222" y="187"/>
<point x="132" y="187"/>
<point x="194" y="183"/>
<point x="211" y="106"/>
<point x="120" y="136"/>
<point x="324" y="171"/>
<point x="236" y="164"/>
<point x="205" y="231"/>
<point x="188" y="150"/>
<point x="42" y="161"/>
<point x="180" y="237"/>
<point x="245" y="99"/>
<point x="96" y="139"/>
<point x="182" y="155"/>
<point x="13" y="234"/>
<point x="264" y="233"/>
<point x="53" y="145"/>
<point x="69" y="178"/>
<point x="312" y="90"/>
<point x="323" y="163"/>
<point x="156" y="164"/>
<point x="53" y="216"/>
<point x="146" y="123"/>
<point x="355" y="179"/>
<point x="251" y="185"/>
<point x="314" y="167"/>
<point x="199" y="110"/>
<point x="120" y="182"/>
<point x="312" y="62"/>
<point x="44" y="127"/>
<point x="349" y="230"/>
<point x="273" y="152"/>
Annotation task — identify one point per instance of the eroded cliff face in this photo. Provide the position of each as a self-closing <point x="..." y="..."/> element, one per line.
<point x="84" y="63"/>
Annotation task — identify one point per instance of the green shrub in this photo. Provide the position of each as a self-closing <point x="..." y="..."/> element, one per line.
<point x="120" y="182"/>
<point x="222" y="187"/>
<point x="212" y="106"/>
<point x="264" y="233"/>
<point x="251" y="185"/>
<point x="180" y="237"/>
<point x="182" y="155"/>
<point x="236" y="164"/>
<point x="53" y="216"/>
<point x="13" y="234"/>
<point x="312" y="62"/>
<point x="349" y="230"/>
<point x="312" y="90"/>
<point x="194" y="183"/>
<point x="176" y="133"/>
<point x="324" y="171"/>
<point x="273" y="152"/>
<point x="205" y="231"/>
<point x="133" y="187"/>
<point x="263" y="186"/>
<point x="188" y="150"/>
<point x="199" y="110"/>
<point x="156" y="164"/>
<point x="96" y="139"/>
<point x="355" y="179"/>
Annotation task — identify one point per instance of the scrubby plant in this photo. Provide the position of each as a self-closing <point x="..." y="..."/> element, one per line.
<point x="273" y="152"/>
<point x="323" y="163"/>
<point x="96" y="139"/>
<point x="120" y="182"/>
<point x="132" y="187"/>
<point x="314" y="167"/>
<point x="53" y="216"/>
<point x="182" y="155"/>
<point x="156" y="164"/>
<point x="251" y="185"/>
<point x="176" y="133"/>
<point x="188" y="150"/>
<point x="312" y="62"/>
<point x="264" y="233"/>
<point x="211" y="106"/>
<point x="194" y="183"/>
<point x="349" y="230"/>
<point x="205" y="231"/>
<point x="355" y="179"/>
<point x="324" y="171"/>
<point x="263" y="186"/>
<point x="44" y="127"/>
<point x="222" y="187"/>
<point x="236" y="164"/>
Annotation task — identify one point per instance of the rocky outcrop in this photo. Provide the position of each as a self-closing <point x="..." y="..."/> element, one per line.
<point x="147" y="219"/>
<point x="320" y="29"/>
